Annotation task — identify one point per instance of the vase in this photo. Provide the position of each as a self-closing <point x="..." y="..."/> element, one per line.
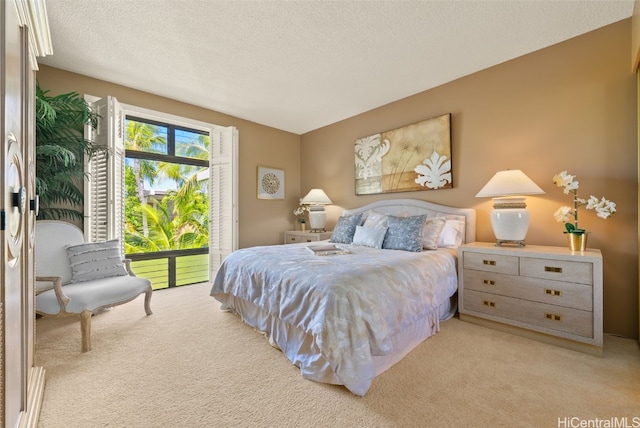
<point x="303" y="226"/>
<point x="577" y="241"/>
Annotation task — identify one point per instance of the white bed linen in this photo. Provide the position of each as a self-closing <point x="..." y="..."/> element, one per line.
<point x="335" y="317"/>
<point x="303" y="352"/>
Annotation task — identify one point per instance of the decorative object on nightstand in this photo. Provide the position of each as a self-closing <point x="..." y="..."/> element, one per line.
<point x="604" y="208"/>
<point x="509" y="218"/>
<point x="299" y="212"/>
<point x="316" y="199"/>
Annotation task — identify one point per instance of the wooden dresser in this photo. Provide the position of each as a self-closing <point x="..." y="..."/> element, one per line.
<point x="547" y="293"/>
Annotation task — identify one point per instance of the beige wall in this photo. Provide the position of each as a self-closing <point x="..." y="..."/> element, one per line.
<point x="568" y="107"/>
<point x="635" y="35"/>
<point x="261" y="222"/>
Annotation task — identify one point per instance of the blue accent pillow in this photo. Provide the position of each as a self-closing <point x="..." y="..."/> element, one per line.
<point x="404" y="233"/>
<point x="345" y="228"/>
<point x="369" y="236"/>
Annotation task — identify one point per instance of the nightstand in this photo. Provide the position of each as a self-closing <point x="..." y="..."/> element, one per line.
<point x="297" y="236"/>
<point x="550" y="294"/>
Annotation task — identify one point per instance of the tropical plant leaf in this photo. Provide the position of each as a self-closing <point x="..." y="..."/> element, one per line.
<point x="60" y="151"/>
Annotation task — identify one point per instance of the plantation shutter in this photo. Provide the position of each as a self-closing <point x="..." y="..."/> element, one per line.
<point x="104" y="206"/>
<point x="223" y="196"/>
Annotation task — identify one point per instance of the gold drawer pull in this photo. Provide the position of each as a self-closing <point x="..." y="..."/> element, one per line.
<point x="488" y="282"/>
<point x="292" y="239"/>
<point x="488" y="303"/>
<point x="552" y="292"/>
<point x="489" y="262"/>
<point x="553" y="269"/>
<point x="309" y="240"/>
<point x="553" y="317"/>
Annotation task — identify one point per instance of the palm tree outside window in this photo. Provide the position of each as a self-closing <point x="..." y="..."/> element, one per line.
<point x="166" y="202"/>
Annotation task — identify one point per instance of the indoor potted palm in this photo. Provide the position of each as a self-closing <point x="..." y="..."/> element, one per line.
<point x="60" y="151"/>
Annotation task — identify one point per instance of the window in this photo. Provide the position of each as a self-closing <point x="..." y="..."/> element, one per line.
<point x="168" y="191"/>
<point x="166" y="201"/>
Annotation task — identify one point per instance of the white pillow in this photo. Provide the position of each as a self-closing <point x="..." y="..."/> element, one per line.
<point x="431" y="232"/>
<point x="452" y="234"/>
<point x="375" y="220"/>
<point x="369" y="236"/>
<point x="95" y="260"/>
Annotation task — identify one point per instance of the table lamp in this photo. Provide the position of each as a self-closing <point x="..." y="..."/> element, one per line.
<point x="509" y="218"/>
<point x="316" y="199"/>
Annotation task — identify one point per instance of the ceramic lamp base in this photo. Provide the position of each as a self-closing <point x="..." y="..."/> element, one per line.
<point x="510" y="221"/>
<point x="317" y="219"/>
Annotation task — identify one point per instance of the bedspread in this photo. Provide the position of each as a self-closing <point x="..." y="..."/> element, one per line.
<point x="350" y="303"/>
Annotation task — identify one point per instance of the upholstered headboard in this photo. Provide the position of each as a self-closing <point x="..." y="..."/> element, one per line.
<point x="409" y="207"/>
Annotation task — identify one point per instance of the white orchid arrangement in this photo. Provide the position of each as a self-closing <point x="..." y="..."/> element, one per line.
<point x="603" y="207"/>
<point x="300" y="212"/>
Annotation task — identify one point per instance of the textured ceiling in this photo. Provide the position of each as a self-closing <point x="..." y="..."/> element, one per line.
<point x="301" y="65"/>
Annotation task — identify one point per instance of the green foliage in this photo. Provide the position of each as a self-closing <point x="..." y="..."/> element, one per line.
<point x="60" y="151"/>
<point x="169" y="229"/>
<point x="572" y="229"/>
<point x="180" y="220"/>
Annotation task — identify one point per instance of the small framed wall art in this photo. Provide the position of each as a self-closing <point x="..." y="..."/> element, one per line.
<point x="270" y="183"/>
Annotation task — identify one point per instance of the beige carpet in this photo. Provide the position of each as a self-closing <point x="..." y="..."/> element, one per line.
<point x="191" y="365"/>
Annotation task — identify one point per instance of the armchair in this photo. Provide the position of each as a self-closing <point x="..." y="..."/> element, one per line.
<point x="78" y="278"/>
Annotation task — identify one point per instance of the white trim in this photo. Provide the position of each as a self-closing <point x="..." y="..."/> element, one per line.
<point x="33" y="15"/>
<point x="159" y="116"/>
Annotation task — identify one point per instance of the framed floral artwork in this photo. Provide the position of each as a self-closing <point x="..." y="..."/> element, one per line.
<point x="414" y="157"/>
<point x="270" y="183"/>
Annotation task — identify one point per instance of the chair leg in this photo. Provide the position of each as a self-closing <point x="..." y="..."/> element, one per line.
<point x="85" y="328"/>
<point x="147" y="301"/>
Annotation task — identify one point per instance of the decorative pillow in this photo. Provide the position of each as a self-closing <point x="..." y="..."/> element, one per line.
<point x="452" y="234"/>
<point x="345" y="228"/>
<point x="404" y="233"/>
<point x="95" y="260"/>
<point x="431" y="232"/>
<point x="369" y="236"/>
<point x="376" y="220"/>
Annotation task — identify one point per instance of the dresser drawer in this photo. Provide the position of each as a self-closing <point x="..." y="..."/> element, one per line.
<point x="559" y="270"/>
<point x="297" y="236"/>
<point x="568" y="320"/>
<point x="491" y="262"/>
<point x="294" y="239"/>
<point x="567" y="294"/>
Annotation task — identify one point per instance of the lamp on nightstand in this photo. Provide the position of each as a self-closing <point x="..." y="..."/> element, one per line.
<point x="509" y="218"/>
<point x="316" y="199"/>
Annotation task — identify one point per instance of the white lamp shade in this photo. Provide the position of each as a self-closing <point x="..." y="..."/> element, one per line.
<point x="511" y="182"/>
<point x="316" y="197"/>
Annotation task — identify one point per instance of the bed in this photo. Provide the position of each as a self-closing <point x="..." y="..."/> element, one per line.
<point x="344" y="319"/>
